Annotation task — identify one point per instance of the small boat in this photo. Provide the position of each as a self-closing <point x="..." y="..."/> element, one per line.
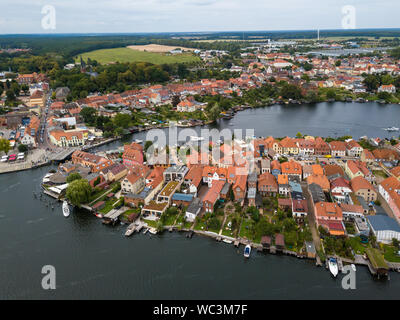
<point x="98" y="215"/>
<point x="138" y="141"/>
<point x="153" y="231"/>
<point x="65" y="209"/>
<point x="247" y="251"/>
<point x="145" y="230"/>
<point x="333" y="266"/>
<point x="195" y="138"/>
<point x="353" y="266"/>
<point x="392" y="129"/>
<point x="227" y="241"/>
<point x="130" y="230"/>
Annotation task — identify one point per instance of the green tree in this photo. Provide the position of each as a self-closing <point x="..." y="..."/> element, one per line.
<point x="79" y="191"/>
<point x="4" y="145"/>
<point x="73" y="176"/>
<point x="122" y="120"/>
<point x="22" y="148"/>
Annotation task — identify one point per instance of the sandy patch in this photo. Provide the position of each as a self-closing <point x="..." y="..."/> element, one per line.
<point x="158" y="48"/>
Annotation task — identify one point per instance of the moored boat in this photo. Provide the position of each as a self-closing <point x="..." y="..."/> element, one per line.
<point x="247" y="251"/>
<point x="65" y="209"/>
<point x="333" y="266"/>
<point x="227" y="241"/>
<point x="353" y="266"/>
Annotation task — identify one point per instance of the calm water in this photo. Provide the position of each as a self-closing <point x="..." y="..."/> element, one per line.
<point x="95" y="261"/>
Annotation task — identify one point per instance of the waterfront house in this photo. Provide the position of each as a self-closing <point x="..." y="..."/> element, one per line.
<point x="193" y="210"/>
<point x="363" y="188"/>
<point x="353" y="148"/>
<point x="95" y="162"/>
<point x="321" y="147"/>
<point x="306" y="147"/>
<point x="239" y="188"/>
<point x="338" y="148"/>
<point x="154" y="210"/>
<point x="289" y="146"/>
<point x="390" y="88"/>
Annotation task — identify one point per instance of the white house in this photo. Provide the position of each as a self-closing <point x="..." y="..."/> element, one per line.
<point x="28" y="140"/>
<point x="387" y="88"/>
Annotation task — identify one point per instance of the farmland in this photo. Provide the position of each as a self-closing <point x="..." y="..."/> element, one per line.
<point x="107" y="56"/>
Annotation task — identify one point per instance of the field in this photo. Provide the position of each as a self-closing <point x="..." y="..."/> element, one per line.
<point x="107" y="56"/>
<point x="158" y="48"/>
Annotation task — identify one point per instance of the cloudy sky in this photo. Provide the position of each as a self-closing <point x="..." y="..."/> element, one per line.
<point x="88" y="16"/>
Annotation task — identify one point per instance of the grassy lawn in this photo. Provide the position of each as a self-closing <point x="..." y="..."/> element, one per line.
<point x="201" y="226"/>
<point x="245" y="229"/>
<point x="105" y="56"/>
<point x="151" y="223"/>
<point x="358" y="247"/>
<point x="390" y="253"/>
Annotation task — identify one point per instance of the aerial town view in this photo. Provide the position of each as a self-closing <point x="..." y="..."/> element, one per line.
<point x="148" y="158"/>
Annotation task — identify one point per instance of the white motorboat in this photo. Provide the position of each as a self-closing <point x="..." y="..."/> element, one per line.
<point x="353" y="266"/>
<point x="333" y="266"/>
<point x="247" y="251"/>
<point x="195" y="138"/>
<point x="392" y="129"/>
<point x="153" y="230"/>
<point x="130" y="230"/>
<point x="227" y="241"/>
<point x="65" y="209"/>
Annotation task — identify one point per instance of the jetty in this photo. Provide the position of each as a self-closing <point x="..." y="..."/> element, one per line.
<point x="134" y="227"/>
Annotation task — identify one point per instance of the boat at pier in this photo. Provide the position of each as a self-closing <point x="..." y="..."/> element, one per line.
<point x="65" y="209"/>
<point x="153" y="230"/>
<point x="353" y="266"/>
<point x="131" y="229"/>
<point x="333" y="266"/>
<point x="247" y="251"/>
<point x="227" y="241"/>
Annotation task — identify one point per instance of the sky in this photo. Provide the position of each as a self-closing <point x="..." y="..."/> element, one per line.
<point x="115" y="16"/>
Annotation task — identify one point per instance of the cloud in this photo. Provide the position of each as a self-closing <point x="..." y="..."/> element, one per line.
<point x="24" y="16"/>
